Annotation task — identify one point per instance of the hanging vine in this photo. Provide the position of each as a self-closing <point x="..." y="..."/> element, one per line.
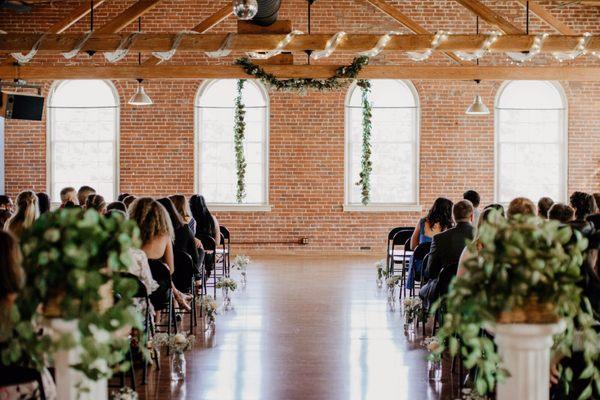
<point x="239" y="130"/>
<point x="365" y="163"/>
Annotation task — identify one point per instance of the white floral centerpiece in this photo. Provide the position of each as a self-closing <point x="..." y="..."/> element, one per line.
<point x="432" y="344"/>
<point x="380" y="267"/>
<point x="177" y="344"/>
<point x="241" y="263"/>
<point x="125" y="393"/>
<point x="209" y="309"/>
<point x="392" y="283"/>
<point x="413" y="307"/>
<point x="227" y="285"/>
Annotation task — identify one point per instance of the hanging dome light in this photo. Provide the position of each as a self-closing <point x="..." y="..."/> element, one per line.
<point x="477" y="108"/>
<point x="140" y="98"/>
<point x="245" y="9"/>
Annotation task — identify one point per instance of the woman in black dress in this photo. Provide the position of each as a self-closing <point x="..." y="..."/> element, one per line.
<point x="206" y="225"/>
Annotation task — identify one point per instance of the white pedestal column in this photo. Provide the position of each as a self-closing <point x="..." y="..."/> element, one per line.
<point x="525" y="353"/>
<point x="67" y="378"/>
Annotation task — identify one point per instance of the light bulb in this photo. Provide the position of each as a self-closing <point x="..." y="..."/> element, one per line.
<point x="245" y="9"/>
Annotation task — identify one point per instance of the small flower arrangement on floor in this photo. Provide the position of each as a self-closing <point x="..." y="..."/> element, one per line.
<point x="125" y="393"/>
<point x="469" y="394"/>
<point x="241" y="262"/>
<point x="431" y="343"/>
<point x="209" y="308"/>
<point x="380" y="267"/>
<point x="227" y="283"/>
<point x="392" y="282"/>
<point x="412" y="309"/>
<point x="177" y="343"/>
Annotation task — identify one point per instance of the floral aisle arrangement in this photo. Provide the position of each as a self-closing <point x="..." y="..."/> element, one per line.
<point x="525" y="270"/>
<point x="74" y="262"/>
<point x="392" y="283"/>
<point x="241" y="263"/>
<point x="209" y="310"/>
<point x="177" y="345"/>
<point x="435" y="359"/>
<point x="125" y="393"/>
<point x="380" y="267"/>
<point x="413" y="308"/>
<point x="227" y="285"/>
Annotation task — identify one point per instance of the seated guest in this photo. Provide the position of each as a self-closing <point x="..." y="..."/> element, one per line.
<point x="595" y="218"/>
<point x="521" y="206"/>
<point x="122" y="196"/>
<point x="67" y="194"/>
<point x="475" y="199"/>
<point x="184" y="242"/>
<point x="117" y="206"/>
<point x="83" y="193"/>
<point x="206" y="224"/>
<point x="139" y="267"/>
<point x="43" y="202"/>
<point x="6" y="203"/>
<point x="562" y="213"/>
<point x="544" y="205"/>
<point x="96" y="202"/>
<point x="4" y="216"/>
<point x="483" y="218"/>
<point x="27" y="213"/>
<point x="16" y="382"/>
<point x="128" y="200"/>
<point x="183" y="208"/>
<point x="584" y="205"/>
<point x="447" y="247"/>
<point x="438" y="219"/>
<point x="156" y="233"/>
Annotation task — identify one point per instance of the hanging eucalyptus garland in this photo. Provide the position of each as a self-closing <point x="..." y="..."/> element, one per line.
<point x="341" y="79"/>
<point x="239" y="129"/>
<point x="365" y="163"/>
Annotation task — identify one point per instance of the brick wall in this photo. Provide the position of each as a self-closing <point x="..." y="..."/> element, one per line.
<point x="307" y="133"/>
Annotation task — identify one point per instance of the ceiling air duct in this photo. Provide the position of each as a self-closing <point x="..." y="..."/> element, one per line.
<point x="267" y="12"/>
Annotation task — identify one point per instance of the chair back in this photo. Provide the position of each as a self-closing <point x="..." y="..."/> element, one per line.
<point x="401" y="237"/>
<point x="141" y="291"/>
<point x="421" y="251"/>
<point x="184" y="271"/>
<point x="397" y="229"/>
<point x="225" y="235"/>
<point x="208" y="242"/>
<point x="447" y="273"/>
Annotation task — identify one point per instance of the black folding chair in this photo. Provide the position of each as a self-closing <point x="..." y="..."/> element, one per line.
<point x="419" y="254"/>
<point x="390" y="238"/>
<point x="15" y="375"/>
<point x="224" y="249"/>
<point x="186" y="282"/>
<point x="208" y="242"/>
<point x="398" y="254"/>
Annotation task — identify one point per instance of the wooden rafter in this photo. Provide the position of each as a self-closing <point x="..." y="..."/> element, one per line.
<point x="77" y="14"/>
<point x="548" y="18"/>
<point x="565" y="73"/>
<point x="407" y="22"/>
<point x="490" y="16"/>
<point x="149" y="42"/>
<point x="128" y="16"/>
<point x="202" y="27"/>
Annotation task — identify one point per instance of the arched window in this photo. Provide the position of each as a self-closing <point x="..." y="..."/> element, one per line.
<point x="83" y="126"/>
<point x="394" y="146"/>
<point x="531" y="141"/>
<point x="216" y="165"/>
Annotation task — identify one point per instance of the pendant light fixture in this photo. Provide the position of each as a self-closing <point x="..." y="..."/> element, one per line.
<point x="477" y="107"/>
<point x="140" y="98"/>
<point x="245" y="9"/>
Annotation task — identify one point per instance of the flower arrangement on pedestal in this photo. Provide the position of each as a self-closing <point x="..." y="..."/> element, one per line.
<point x="74" y="263"/>
<point x="525" y="272"/>
<point x="227" y="285"/>
<point x="241" y="263"/>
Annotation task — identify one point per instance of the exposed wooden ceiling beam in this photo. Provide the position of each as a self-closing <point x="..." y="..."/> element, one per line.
<point x="77" y="14"/>
<point x="138" y="9"/>
<point x="407" y="22"/>
<point x="564" y="73"/>
<point x="547" y="17"/>
<point x="490" y="16"/>
<point x="149" y="42"/>
<point x="202" y="27"/>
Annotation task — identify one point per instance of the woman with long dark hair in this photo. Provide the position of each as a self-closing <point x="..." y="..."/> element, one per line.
<point x="438" y="219"/>
<point x="206" y="224"/>
<point x="43" y="202"/>
<point x="184" y="241"/>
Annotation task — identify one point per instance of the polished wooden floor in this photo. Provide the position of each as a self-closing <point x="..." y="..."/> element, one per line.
<point x="305" y="328"/>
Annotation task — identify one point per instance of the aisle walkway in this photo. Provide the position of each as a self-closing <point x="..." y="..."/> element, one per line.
<point x="304" y="329"/>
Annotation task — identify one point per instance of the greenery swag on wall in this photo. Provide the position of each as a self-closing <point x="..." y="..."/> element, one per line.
<point x="366" y="167"/>
<point x="239" y="130"/>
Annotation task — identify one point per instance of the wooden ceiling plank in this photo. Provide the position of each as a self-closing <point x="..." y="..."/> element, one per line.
<point x="562" y="73"/>
<point x="128" y="16"/>
<point x="149" y="42"/>
<point x="547" y="17"/>
<point x="490" y="16"/>
<point x="408" y="22"/>
<point x="205" y="25"/>
<point x="74" y="16"/>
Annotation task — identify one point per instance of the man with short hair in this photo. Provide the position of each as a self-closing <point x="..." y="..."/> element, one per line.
<point x="520" y="206"/>
<point x="83" y="194"/>
<point x="446" y="249"/>
<point x="562" y="213"/>
<point x="67" y="194"/>
<point x="544" y="205"/>
<point x="6" y="203"/>
<point x="475" y="199"/>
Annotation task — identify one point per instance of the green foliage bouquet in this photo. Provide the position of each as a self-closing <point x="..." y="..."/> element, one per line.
<point x="73" y="263"/>
<point x="525" y="270"/>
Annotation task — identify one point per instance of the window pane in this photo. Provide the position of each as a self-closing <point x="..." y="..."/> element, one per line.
<point x="83" y="134"/>
<point x="393" y="143"/>
<point x="531" y="136"/>
<point x="217" y="175"/>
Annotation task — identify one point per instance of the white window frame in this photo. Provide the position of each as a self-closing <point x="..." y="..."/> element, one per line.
<point x="349" y="180"/>
<point x="266" y="150"/>
<point x="564" y="153"/>
<point x="116" y="146"/>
